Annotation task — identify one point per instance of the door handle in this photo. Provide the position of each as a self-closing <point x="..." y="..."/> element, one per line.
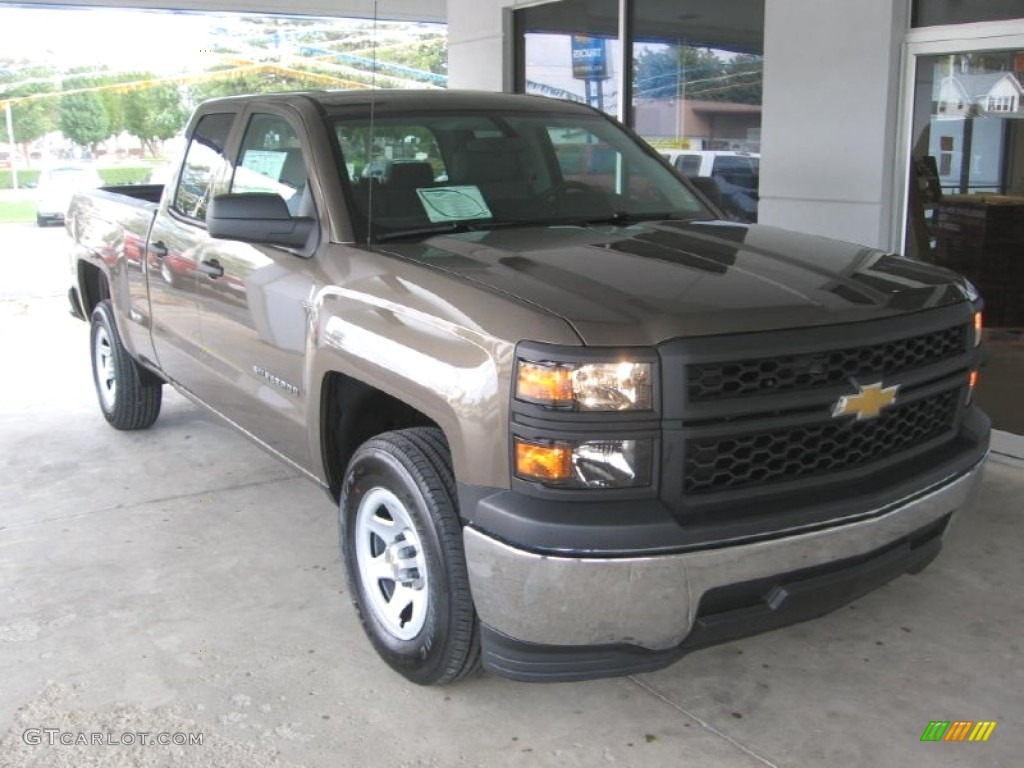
<point x="158" y="249"/>
<point x="211" y="268"/>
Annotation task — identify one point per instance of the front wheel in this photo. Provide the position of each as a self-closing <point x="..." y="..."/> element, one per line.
<point x="401" y="543"/>
<point x="129" y="395"/>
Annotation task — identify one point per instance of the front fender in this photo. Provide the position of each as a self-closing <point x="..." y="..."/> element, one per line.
<point x="454" y="371"/>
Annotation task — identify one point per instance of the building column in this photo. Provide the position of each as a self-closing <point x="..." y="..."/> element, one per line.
<point x="831" y="110"/>
<point x="476" y="44"/>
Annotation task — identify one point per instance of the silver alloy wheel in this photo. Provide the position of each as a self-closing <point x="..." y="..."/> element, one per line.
<point x="103" y="368"/>
<point x="390" y="561"/>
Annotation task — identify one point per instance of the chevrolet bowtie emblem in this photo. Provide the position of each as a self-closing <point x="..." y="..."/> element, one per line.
<point x="867" y="403"/>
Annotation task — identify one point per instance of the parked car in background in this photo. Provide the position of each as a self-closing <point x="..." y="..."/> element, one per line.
<point x="736" y="174"/>
<point x="56" y="186"/>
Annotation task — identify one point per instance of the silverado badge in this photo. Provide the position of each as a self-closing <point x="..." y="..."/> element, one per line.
<point x="867" y="403"/>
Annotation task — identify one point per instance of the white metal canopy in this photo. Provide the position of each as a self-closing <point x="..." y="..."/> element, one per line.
<point x="400" y="10"/>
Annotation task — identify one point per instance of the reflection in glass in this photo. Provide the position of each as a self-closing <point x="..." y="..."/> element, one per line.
<point x="966" y="200"/>
<point x="697" y="84"/>
<point x="568" y="51"/>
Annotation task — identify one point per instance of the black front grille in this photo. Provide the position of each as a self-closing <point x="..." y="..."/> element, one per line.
<point x="766" y="375"/>
<point x="724" y="463"/>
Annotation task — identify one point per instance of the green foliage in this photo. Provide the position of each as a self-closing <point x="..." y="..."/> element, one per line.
<point x="24" y="178"/>
<point x="154" y="113"/>
<point x="116" y="176"/>
<point x="17" y="210"/>
<point x="37" y="117"/>
<point x="110" y="176"/>
<point x="429" y="56"/>
<point x="251" y="82"/>
<point x="110" y="98"/>
<point x="83" y="118"/>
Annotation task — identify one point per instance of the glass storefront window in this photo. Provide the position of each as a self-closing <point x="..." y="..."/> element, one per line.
<point x="697" y="82"/>
<point x="569" y="50"/>
<point x="930" y="13"/>
<point x="966" y="200"/>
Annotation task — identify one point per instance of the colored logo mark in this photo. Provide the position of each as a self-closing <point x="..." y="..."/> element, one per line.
<point x="958" y="730"/>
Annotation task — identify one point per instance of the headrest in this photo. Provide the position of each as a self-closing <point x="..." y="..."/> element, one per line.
<point x="414" y="174"/>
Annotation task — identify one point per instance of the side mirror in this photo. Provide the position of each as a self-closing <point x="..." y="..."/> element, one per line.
<point x="257" y="217"/>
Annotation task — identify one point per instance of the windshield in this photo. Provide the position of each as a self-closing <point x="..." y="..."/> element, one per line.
<point x="443" y="171"/>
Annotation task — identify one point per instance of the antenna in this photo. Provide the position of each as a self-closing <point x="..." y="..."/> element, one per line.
<point x="369" y="152"/>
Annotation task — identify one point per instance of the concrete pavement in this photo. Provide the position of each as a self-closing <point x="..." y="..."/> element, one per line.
<point x="181" y="580"/>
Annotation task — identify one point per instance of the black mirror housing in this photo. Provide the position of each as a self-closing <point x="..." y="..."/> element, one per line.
<point x="257" y="217"/>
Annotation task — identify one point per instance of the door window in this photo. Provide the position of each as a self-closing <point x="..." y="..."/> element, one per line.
<point x="204" y="161"/>
<point x="272" y="161"/>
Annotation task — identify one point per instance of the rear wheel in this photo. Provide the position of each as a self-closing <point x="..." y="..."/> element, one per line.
<point x="129" y="395"/>
<point x="402" y="545"/>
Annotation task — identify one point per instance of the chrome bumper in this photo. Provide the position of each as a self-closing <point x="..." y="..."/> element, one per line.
<point x="651" y="602"/>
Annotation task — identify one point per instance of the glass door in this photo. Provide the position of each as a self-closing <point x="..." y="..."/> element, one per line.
<point x="965" y="197"/>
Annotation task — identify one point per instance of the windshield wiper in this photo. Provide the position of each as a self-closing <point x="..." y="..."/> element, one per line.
<point x="625" y="217"/>
<point x="449" y="228"/>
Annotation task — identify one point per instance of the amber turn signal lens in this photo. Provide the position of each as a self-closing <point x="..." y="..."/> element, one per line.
<point x="536" y="461"/>
<point x="978" y="326"/>
<point x="547" y="384"/>
<point x="972" y="382"/>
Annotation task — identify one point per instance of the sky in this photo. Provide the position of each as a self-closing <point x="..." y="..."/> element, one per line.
<point x="72" y="37"/>
<point x="163" y="42"/>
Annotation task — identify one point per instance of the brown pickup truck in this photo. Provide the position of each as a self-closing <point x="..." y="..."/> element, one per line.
<point x="575" y="427"/>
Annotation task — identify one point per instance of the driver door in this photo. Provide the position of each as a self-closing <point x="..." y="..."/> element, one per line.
<point x="253" y="299"/>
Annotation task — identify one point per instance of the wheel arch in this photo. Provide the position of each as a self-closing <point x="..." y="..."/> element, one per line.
<point x="352" y="412"/>
<point x="457" y="386"/>
<point x="93" y="286"/>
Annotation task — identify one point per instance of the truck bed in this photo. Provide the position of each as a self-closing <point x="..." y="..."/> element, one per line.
<point x="112" y="223"/>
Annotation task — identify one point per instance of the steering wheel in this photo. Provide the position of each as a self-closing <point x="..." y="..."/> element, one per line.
<point x="567" y="188"/>
<point x="575" y="186"/>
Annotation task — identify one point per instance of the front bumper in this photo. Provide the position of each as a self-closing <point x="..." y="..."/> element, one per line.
<point x="547" y="617"/>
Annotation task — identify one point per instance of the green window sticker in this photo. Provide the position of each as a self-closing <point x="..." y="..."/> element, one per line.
<point x="454" y="203"/>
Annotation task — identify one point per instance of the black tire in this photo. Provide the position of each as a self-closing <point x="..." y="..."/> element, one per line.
<point x="411" y="467"/>
<point x="128" y="394"/>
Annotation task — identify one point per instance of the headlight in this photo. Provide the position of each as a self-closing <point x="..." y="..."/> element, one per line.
<point x="620" y="386"/>
<point x="588" y="464"/>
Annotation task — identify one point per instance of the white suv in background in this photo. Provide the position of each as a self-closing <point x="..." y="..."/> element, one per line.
<point x="736" y="176"/>
<point x="56" y="186"/>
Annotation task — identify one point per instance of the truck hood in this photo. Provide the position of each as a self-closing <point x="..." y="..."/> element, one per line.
<point x="643" y="284"/>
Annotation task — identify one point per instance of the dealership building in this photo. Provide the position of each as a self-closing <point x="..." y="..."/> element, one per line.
<point x="897" y="124"/>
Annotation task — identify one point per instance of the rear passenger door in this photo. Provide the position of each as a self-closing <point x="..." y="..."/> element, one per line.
<point x="177" y="239"/>
<point x="254" y="300"/>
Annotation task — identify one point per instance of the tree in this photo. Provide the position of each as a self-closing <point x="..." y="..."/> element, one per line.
<point x="268" y="81"/>
<point x="677" y="71"/>
<point x="34" y="118"/>
<point x="83" y="118"/>
<point x="153" y="113"/>
<point x="698" y="73"/>
<point x="430" y="56"/>
<point x="109" y="97"/>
